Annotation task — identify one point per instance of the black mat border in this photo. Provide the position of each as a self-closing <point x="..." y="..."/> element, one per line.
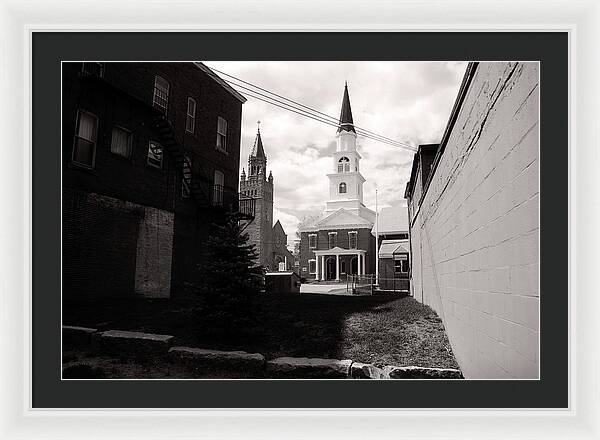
<point x="49" y="48"/>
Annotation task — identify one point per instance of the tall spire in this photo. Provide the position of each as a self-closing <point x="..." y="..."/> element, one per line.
<point x="346" y="122"/>
<point x="258" y="150"/>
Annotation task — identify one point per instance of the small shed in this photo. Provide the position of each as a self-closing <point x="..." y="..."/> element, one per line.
<point x="394" y="265"/>
<point x="282" y="282"/>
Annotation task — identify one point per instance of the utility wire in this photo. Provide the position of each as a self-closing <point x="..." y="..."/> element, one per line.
<point x="304" y="113"/>
<point x="310" y="108"/>
<point x="334" y="123"/>
<point x="322" y="117"/>
<point x="307" y="115"/>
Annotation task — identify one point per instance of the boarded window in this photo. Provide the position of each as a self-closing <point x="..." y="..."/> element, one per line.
<point x="120" y="142"/>
<point x="86" y="132"/>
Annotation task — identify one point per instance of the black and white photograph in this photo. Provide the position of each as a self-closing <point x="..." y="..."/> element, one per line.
<point x="300" y="220"/>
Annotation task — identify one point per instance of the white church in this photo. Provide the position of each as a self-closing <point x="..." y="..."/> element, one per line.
<point x="340" y="241"/>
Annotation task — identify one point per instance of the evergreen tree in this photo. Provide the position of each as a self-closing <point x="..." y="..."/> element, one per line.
<point x="231" y="278"/>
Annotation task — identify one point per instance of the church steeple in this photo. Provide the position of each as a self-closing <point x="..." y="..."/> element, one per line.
<point x="346" y="123"/>
<point x="257" y="161"/>
<point x="257" y="149"/>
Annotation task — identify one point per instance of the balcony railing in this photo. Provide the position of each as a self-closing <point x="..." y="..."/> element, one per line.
<point x="231" y="201"/>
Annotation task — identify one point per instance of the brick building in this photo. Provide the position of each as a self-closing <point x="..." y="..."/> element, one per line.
<point x="340" y="241"/>
<point x="394" y="248"/>
<point x="150" y="157"/>
<point x="474" y="222"/>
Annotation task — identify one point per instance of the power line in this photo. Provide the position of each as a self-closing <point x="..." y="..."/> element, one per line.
<point x="375" y="137"/>
<point x="308" y="115"/>
<point x="289" y="107"/>
<point x="309" y="108"/>
<point x="323" y="117"/>
<point x="362" y="131"/>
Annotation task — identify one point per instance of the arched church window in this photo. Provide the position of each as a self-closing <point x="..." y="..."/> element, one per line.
<point x="344" y="165"/>
<point x="342" y="188"/>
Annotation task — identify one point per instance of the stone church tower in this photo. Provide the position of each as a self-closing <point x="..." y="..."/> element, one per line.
<point x="259" y="187"/>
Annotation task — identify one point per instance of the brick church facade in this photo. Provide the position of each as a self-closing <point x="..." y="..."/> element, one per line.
<point x="340" y="242"/>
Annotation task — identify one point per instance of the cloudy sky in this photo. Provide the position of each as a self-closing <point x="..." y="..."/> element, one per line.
<point x="405" y="101"/>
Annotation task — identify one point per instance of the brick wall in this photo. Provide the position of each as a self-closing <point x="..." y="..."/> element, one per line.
<point x="113" y="248"/>
<point x="475" y="238"/>
<point x="365" y="241"/>
<point x="124" y="98"/>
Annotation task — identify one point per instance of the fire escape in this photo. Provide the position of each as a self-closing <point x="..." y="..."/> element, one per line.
<point x="200" y="186"/>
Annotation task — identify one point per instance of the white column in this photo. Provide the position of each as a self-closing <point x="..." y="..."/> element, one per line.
<point x="359" y="261"/>
<point x="323" y="268"/>
<point x="337" y="267"/>
<point x="317" y="267"/>
<point x="363" y="264"/>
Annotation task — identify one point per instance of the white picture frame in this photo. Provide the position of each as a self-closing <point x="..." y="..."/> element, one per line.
<point x="18" y="19"/>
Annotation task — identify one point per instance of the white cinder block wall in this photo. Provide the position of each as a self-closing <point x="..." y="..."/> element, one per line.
<point x="475" y="240"/>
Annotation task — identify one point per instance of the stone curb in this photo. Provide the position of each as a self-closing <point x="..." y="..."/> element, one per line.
<point x="127" y="343"/>
<point x="301" y="368"/>
<point x="80" y="337"/>
<point x="241" y="362"/>
<point x="413" y="372"/>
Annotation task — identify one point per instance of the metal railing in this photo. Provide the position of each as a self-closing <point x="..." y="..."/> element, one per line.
<point x="360" y="284"/>
<point x="394" y="284"/>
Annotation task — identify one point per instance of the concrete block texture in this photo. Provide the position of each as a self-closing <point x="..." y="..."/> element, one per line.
<point x="475" y="238"/>
<point x="306" y="368"/>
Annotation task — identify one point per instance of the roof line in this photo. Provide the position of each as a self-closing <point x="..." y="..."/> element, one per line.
<point x="220" y="81"/>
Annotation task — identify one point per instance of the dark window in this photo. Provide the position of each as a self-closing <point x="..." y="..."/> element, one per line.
<point x="343" y="188"/>
<point x="86" y="133"/>
<point x="186" y="181"/>
<point x="96" y="69"/>
<point x="332" y="240"/>
<point x="312" y="241"/>
<point x="352" y="242"/>
<point x="120" y="142"/>
<point x="219" y="182"/>
<point x="155" y="154"/>
<point x="312" y="266"/>
<point x="190" y="120"/>
<point x="221" y="134"/>
<point x="401" y="266"/>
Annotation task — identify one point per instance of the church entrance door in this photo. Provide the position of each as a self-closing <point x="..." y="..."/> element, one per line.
<point x="330" y="268"/>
